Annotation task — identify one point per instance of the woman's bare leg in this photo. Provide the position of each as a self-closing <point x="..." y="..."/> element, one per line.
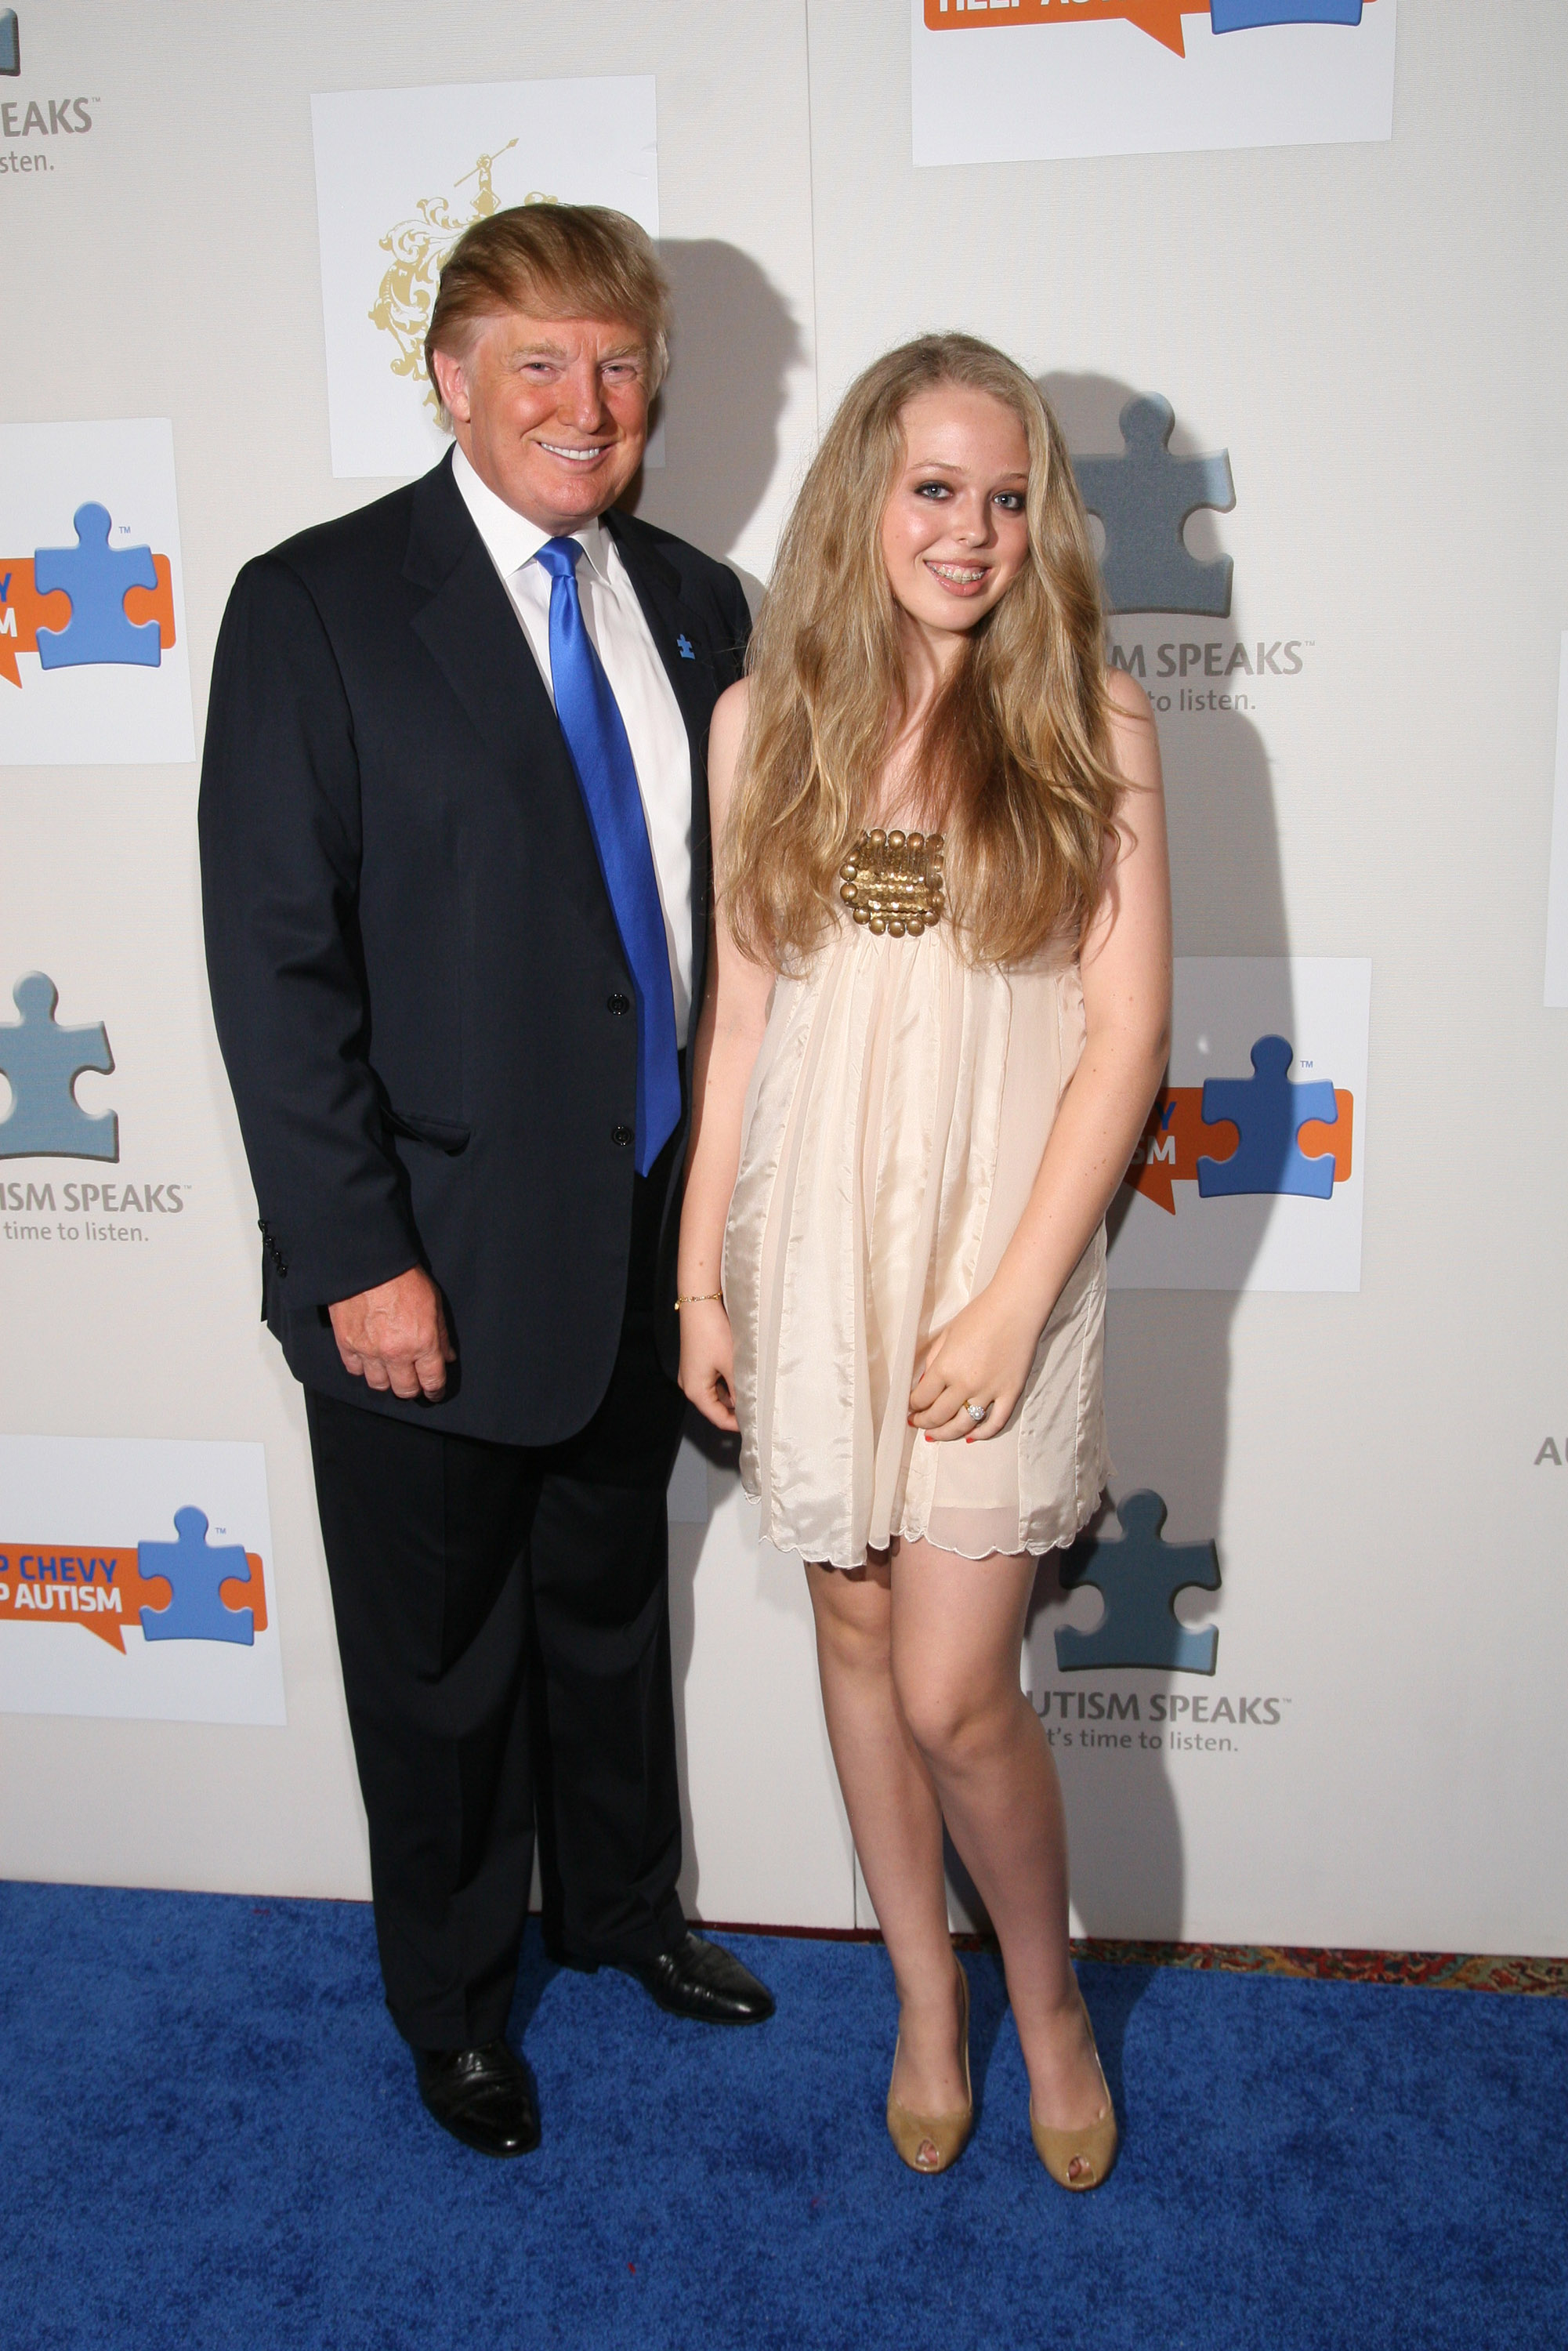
<point x="957" y="1635"/>
<point x="896" y="1824"/>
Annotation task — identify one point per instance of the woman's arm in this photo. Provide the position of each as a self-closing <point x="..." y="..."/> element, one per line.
<point x="730" y="1035"/>
<point x="984" y="1352"/>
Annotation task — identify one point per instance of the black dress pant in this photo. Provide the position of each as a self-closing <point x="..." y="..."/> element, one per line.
<point x="503" y="1623"/>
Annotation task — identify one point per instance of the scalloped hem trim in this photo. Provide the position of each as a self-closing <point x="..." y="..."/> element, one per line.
<point x="806" y="1554"/>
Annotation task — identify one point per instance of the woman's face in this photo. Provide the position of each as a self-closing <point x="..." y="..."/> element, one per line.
<point x="954" y="535"/>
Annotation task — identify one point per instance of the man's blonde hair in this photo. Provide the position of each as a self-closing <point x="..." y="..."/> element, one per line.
<point x="553" y="261"/>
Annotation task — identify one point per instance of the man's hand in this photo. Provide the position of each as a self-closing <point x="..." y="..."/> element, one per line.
<point x="394" y="1336"/>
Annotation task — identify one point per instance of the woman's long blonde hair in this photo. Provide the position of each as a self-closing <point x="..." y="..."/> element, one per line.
<point x="1014" y="757"/>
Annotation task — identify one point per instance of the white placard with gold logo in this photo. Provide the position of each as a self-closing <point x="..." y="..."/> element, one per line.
<point x="399" y="174"/>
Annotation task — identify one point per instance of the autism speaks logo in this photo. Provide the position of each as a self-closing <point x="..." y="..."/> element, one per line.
<point x="1161" y="20"/>
<point x="1233" y="1136"/>
<point x="170" y="1590"/>
<point x="41" y="1058"/>
<point x="121" y="1597"/>
<point x="1253" y="1182"/>
<point x="77" y="607"/>
<point x="94" y="669"/>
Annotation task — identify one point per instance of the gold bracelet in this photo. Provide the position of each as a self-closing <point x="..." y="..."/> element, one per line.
<point x="705" y="1298"/>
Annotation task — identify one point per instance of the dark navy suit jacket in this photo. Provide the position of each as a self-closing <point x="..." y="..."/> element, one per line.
<point x="415" y="969"/>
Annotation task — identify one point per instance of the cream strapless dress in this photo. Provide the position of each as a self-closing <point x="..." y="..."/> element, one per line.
<point x="894" y="1128"/>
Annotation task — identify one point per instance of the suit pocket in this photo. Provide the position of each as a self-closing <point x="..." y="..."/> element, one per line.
<point x="442" y="1133"/>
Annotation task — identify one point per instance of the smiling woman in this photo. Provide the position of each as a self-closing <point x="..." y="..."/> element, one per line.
<point x="940" y="518"/>
<point x="939" y="1019"/>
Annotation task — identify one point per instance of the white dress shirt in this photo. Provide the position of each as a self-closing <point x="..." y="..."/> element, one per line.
<point x="613" y="618"/>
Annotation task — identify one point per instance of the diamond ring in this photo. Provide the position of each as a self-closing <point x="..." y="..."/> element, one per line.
<point x="977" y="1412"/>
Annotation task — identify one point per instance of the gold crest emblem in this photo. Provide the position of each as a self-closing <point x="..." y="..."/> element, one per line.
<point x="893" y="881"/>
<point x="419" y="248"/>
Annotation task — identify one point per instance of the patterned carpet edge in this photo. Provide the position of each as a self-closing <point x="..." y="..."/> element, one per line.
<point x="1434" y="1970"/>
<point x="1438" y="1970"/>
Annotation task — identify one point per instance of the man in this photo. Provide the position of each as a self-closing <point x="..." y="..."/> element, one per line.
<point x="454" y="858"/>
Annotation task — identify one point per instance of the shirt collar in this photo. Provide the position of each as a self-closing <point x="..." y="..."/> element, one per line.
<point x="510" y="538"/>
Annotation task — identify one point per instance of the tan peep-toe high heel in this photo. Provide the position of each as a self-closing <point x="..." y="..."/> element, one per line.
<point x="1079" y="2158"/>
<point x="932" y="2142"/>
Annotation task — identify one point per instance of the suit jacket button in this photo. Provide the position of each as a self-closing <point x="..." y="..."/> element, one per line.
<point x="621" y="1137"/>
<point x="618" y="1003"/>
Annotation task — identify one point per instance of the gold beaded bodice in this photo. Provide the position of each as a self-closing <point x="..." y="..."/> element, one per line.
<point x="893" y="881"/>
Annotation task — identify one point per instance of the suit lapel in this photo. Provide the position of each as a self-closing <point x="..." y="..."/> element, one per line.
<point x="474" y="637"/>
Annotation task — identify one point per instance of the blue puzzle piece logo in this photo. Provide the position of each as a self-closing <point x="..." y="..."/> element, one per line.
<point x="1138" y="1579"/>
<point x="1245" y="15"/>
<point x="1144" y="498"/>
<point x="10" y="42"/>
<point x="42" y="1063"/>
<point x="193" y="1568"/>
<point x="96" y="578"/>
<point x="1268" y="1113"/>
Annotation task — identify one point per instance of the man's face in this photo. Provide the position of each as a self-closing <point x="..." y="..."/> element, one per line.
<point x="552" y="413"/>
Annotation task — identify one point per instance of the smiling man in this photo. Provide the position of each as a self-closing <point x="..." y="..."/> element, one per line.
<point x="454" y="859"/>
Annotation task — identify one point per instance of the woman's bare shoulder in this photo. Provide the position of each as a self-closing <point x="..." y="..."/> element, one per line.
<point x="725" y="729"/>
<point x="1135" y="744"/>
<point x="728" y="721"/>
<point x="1127" y="697"/>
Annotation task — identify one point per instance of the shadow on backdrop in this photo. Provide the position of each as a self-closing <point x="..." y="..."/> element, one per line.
<point x="736" y="340"/>
<point x="719" y="1450"/>
<point x="1168" y="1352"/>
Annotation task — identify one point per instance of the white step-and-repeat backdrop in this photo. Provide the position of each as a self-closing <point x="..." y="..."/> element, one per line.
<point x="1291" y="271"/>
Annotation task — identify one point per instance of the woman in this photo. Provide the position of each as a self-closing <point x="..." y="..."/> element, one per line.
<point x="937" y="1020"/>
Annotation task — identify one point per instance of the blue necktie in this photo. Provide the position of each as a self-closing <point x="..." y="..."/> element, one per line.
<point x="596" y="736"/>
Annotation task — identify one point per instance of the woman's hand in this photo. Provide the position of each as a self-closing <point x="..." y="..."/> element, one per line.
<point x="707" y="1362"/>
<point x="982" y="1356"/>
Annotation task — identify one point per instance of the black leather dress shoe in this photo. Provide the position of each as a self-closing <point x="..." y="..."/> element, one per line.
<point x="483" y="2096"/>
<point x="700" y="1981"/>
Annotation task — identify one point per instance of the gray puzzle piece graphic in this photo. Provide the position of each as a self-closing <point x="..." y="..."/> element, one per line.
<point x="43" y="1061"/>
<point x="194" y="1568"/>
<point x="1144" y="498"/>
<point x="1138" y="1579"/>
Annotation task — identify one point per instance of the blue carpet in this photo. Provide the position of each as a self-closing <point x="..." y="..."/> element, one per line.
<point x="209" y="2136"/>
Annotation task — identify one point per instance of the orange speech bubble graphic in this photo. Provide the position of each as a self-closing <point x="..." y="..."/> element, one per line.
<point x="100" y="1589"/>
<point x="1161" y="20"/>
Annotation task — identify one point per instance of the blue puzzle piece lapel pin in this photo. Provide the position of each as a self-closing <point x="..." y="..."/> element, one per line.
<point x="684" y="647"/>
